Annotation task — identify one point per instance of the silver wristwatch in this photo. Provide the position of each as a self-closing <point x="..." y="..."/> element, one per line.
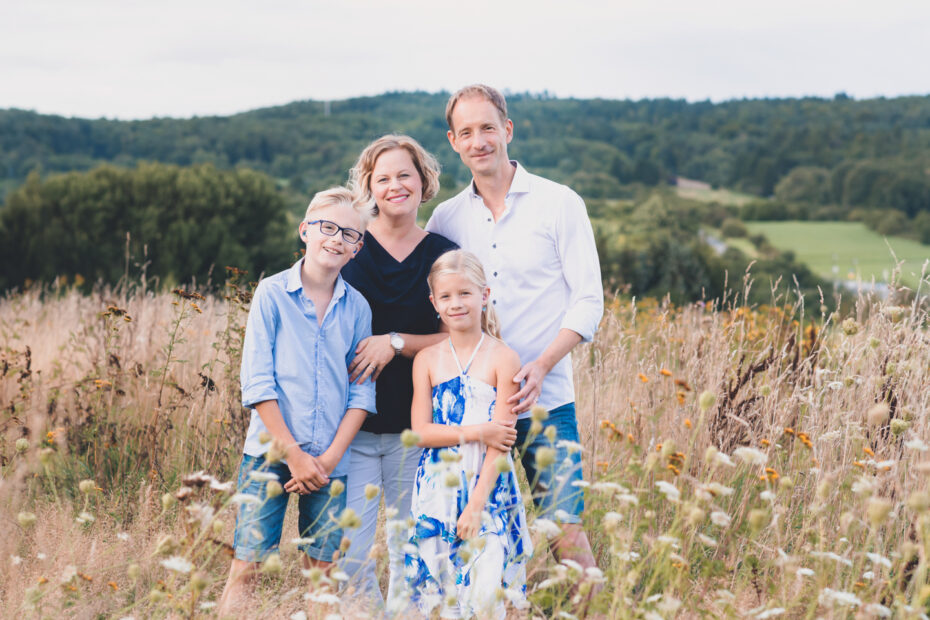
<point x="397" y="343"/>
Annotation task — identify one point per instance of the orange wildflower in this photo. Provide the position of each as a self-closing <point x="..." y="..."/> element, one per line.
<point x="688" y="422"/>
<point x="643" y="378"/>
<point x="683" y="385"/>
<point x="858" y="464"/>
<point x="789" y="430"/>
<point x="665" y="372"/>
<point x="681" y="398"/>
<point x="113" y="585"/>
<point x="766" y="442"/>
<point x="869" y="451"/>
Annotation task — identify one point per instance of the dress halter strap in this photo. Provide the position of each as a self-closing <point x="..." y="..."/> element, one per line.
<point x="455" y="355"/>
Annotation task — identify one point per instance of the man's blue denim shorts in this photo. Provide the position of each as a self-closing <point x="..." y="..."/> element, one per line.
<point x="259" y="522"/>
<point x="553" y="487"/>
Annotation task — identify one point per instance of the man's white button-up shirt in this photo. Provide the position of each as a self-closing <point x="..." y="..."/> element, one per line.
<point x="541" y="264"/>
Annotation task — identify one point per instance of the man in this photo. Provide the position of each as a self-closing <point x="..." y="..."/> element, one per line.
<point x="535" y="241"/>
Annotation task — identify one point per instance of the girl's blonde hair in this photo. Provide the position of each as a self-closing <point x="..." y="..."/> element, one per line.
<point x="426" y="165"/>
<point x="467" y="264"/>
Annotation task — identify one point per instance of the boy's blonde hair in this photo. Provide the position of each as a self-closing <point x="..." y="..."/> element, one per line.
<point x="425" y="164"/>
<point x="339" y="197"/>
<point x="477" y="90"/>
<point x="466" y="264"/>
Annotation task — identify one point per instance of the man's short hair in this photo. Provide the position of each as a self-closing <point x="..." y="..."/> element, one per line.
<point x="477" y="90"/>
<point x="339" y="197"/>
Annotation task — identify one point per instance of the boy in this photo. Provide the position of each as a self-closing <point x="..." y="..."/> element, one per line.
<point x="302" y="331"/>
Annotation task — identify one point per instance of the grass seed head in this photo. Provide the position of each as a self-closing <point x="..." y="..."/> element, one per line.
<point x="409" y="439"/>
<point x="371" y="491"/>
<point x="336" y="487"/>
<point x="26" y="519"/>
<point x="878" y="414"/>
<point x="273" y="488"/>
<point x="706" y="400"/>
<point x="22" y="444"/>
<point x="878" y="509"/>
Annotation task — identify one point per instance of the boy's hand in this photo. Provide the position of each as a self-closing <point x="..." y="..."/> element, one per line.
<point x="498" y="436"/>
<point x="306" y="473"/>
<point x="371" y="356"/>
<point x="469" y="523"/>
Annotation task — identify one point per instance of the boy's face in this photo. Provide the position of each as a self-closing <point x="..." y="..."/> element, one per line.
<point x="330" y="252"/>
<point x="480" y="136"/>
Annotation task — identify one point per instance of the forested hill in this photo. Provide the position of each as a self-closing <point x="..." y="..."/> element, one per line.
<point x="840" y="151"/>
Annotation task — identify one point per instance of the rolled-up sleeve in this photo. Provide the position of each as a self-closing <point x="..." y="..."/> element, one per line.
<point x="580" y="268"/>
<point x="361" y="396"/>
<point x="257" y="373"/>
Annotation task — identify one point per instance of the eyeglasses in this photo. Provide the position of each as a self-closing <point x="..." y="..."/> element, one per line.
<point x="350" y="235"/>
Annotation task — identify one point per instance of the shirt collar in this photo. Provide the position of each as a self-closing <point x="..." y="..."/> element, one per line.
<point x="519" y="185"/>
<point x="294" y="283"/>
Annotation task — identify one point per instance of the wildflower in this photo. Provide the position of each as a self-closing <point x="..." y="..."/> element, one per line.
<point x="177" y="564"/>
<point x="643" y="378"/>
<point x="838" y="597"/>
<point x="272" y="564"/>
<point x="770" y="613"/>
<point x="550" y="433"/>
<point x="371" y="491"/>
<point x="877" y="415"/>
<point x="898" y="426"/>
<point x="767" y="496"/>
<point x="805" y="572"/>
<point x="683" y="384"/>
<point x="545" y="457"/>
<point x="166" y="545"/>
<point x="696" y="515"/>
<point x="409" y="439"/>
<point x="850" y="327"/>
<point x="758" y="519"/>
<point x="750" y="456"/>
<point x="336" y="487"/>
<point x="869" y="451"/>
<point x="45" y="456"/>
<point x="916" y="444"/>
<point x="611" y="522"/>
<point x="113" y="585"/>
<point x="546" y="527"/>
<point x="264" y="437"/>
<point x="263" y="476"/>
<point x="878" y="610"/>
<point x="720" y="518"/>
<point x="894" y="313"/>
<point x="274" y="489"/>
<point x="22" y="444"/>
<point x="721" y="458"/>
<point x="276" y="451"/>
<point x="84" y="518"/>
<point x="133" y="571"/>
<point x="241" y="499"/>
<point x="26" y="519"/>
<point x="681" y="397"/>
<point x="349" y="519"/>
<point x="669" y="490"/>
<point x="571" y="446"/>
<point x="707" y="540"/>
<point x="876" y="558"/>
<point x="688" y="422"/>
<point x="539" y="414"/>
<point x="919" y="501"/>
<point x="706" y="400"/>
<point x="878" y="509"/>
<point x="665" y="372"/>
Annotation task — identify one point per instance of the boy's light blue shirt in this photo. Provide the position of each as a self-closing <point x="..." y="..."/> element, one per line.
<point x="287" y="356"/>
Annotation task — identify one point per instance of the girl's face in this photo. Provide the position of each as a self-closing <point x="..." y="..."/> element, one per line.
<point x="395" y="184"/>
<point x="458" y="301"/>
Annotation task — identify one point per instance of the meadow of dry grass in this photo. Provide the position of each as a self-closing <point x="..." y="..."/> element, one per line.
<point x="742" y="462"/>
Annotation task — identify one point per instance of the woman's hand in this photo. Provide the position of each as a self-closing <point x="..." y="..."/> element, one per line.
<point x="497" y="436"/>
<point x="371" y="356"/>
<point x="469" y="523"/>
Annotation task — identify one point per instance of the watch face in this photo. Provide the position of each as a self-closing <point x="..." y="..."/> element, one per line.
<point x="397" y="342"/>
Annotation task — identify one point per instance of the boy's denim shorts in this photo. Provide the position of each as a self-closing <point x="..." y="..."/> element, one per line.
<point x="259" y="524"/>
<point x="554" y="491"/>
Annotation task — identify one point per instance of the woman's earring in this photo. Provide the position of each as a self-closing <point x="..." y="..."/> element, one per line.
<point x="484" y="308"/>
<point x="437" y="316"/>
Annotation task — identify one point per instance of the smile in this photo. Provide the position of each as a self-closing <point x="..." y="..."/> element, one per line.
<point x="400" y="198"/>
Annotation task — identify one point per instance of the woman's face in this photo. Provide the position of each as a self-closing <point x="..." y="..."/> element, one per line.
<point x="396" y="185"/>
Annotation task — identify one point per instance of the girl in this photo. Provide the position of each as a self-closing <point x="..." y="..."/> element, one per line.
<point x="470" y="542"/>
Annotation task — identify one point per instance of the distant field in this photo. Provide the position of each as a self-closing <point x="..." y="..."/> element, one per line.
<point x="723" y="196"/>
<point x="846" y="250"/>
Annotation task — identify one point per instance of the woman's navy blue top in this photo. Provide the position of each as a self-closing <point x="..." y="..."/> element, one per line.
<point x="399" y="298"/>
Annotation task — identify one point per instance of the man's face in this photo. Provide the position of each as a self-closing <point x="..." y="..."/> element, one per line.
<point x="480" y="136"/>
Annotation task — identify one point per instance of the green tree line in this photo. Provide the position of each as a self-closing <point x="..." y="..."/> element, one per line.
<point x="871" y="150"/>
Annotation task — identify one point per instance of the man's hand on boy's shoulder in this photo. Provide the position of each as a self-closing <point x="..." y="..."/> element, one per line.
<point x="307" y="473"/>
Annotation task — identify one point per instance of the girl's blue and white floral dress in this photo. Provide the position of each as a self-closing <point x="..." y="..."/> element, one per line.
<point x="465" y="578"/>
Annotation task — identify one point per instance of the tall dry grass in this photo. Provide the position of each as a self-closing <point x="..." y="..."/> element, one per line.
<point x="742" y="461"/>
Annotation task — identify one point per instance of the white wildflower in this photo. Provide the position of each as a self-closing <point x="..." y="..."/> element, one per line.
<point x="546" y="527"/>
<point x="805" y="572"/>
<point x="838" y="597"/>
<point x="177" y="564"/>
<point x="878" y="559"/>
<point x="721" y="458"/>
<point x="668" y="605"/>
<point x="877" y="609"/>
<point x="69" y="573"/>
<point x="241" y="499"/>
<point x="85" y="517"/>
<point x="864" y="486"/>
<point x="669" y="490"/>
<point x="835" y="385"/>
<point x="608" y="487"/>
<point x="868" y="575"/>
<point x="323" y="598"/>
<point x="225" y="487"/>
<point x="720" y="518"/>
<point x="16" y="560"/>
<point x="770" y="613"/>
<point x="298" y="615"/>
<point x="750" y="456"/>
<point x="627" y="498"/>
<point x="561" y="515"/>
<point x="628" y="556"/>
<point x="572" y="565"/>
<point x="207" y="605"/>
<point x="718" y="489"/>
<point x="263" y="476"/>
<point x="123" y="536"/>
<point x="594" y="574"/>
<point x="885" y="465"/>
<point x="767" y="496"/>
<point x="41" y="556"/>
<point x="831" y="556"/>
<point x="707" y="540"/>
<point x="571" y="446"/>
<point x="582" y="484"/>
<point x="339" y="575"/>
<point x="671" y="541"/>
<point x="916" y="444"/>
<point x="829" y="436"/>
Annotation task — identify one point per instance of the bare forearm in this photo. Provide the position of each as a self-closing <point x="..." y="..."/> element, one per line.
<point x="348" y="428"/>
<point x="486" y="479"/>
<point x="444" y="435"/>
<point x="561" y="345"/>
<point x="414" y="343"/>
<point x="271" y="417"/>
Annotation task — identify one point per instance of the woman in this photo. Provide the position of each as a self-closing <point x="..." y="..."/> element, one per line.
<point x="397" y="175"/>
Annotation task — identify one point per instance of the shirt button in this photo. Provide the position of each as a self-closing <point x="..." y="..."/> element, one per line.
<point x="489" y="219"/>
<point x="495" y="274"/>
<point x="494" y="302"/>
<point x="494" y="245"/>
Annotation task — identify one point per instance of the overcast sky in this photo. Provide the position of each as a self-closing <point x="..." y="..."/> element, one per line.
<point x="129" y="59"/>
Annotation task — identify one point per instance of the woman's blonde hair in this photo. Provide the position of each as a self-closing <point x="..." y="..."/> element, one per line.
<point x="426" y="165"/>
<point x="467" y="264"/>
<point x="339" y="197"/>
